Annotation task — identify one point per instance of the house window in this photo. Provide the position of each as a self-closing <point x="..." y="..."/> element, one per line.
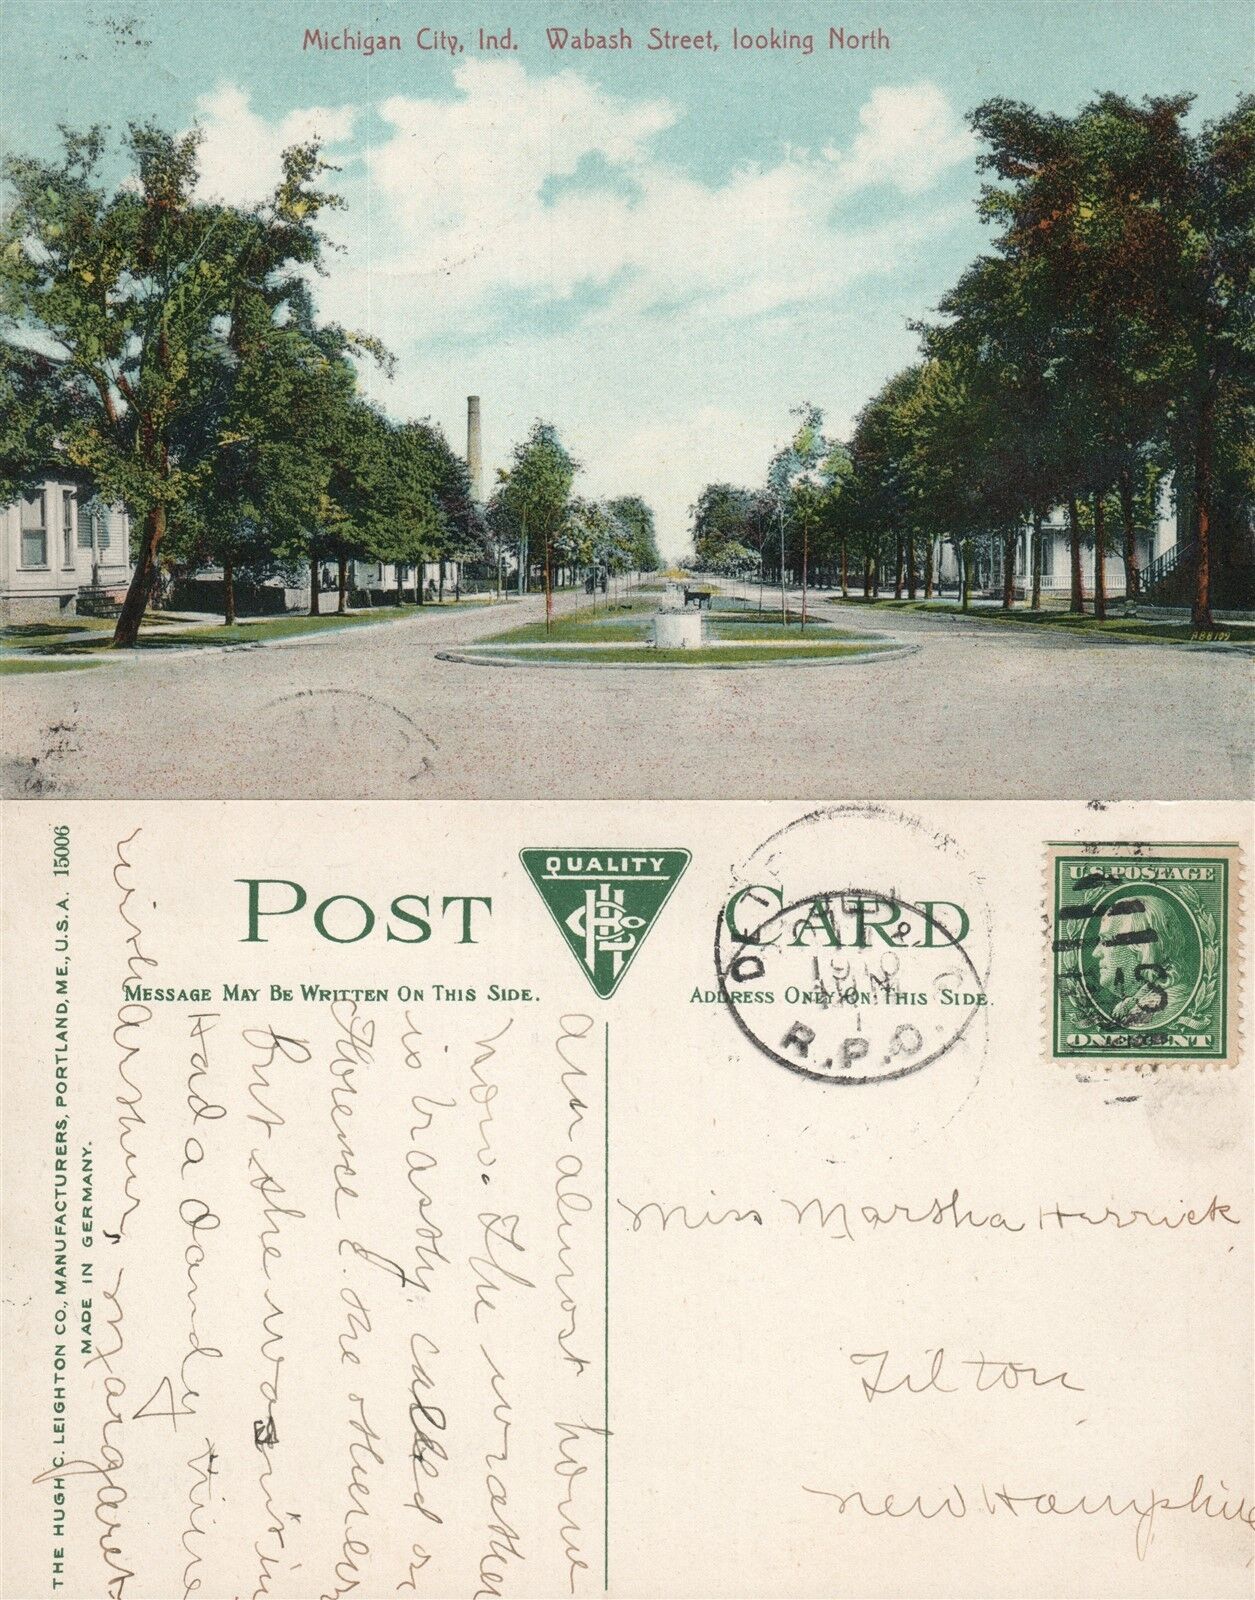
<point x="67" y="527"/>
<point x="34" y="533"/>
<point x="93" y="514"/>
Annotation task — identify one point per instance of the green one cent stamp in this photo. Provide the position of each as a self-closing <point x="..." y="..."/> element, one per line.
<point x="1144" y="953"/>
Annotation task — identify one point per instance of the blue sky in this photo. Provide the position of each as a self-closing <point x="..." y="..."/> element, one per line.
<point x="662" y="252"/>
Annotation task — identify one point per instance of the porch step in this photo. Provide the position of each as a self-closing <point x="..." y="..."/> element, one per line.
<point x="1167" y="577"/>
<point x="96" y="602"/>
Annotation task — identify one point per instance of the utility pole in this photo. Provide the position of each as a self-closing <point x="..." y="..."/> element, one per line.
<point x="806" y="529"/>
<point x="784" y="606"/>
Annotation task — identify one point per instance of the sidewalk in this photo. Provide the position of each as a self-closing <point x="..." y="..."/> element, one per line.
<point x="33" y="647"/>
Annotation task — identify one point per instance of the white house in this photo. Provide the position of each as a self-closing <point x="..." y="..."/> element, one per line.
<point x="58" y="542"/>
<point x="381" y="576"/>
<point x="1056" y="569"/>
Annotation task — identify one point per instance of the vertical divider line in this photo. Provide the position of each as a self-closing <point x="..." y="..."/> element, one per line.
<point x="605" y="1419"/>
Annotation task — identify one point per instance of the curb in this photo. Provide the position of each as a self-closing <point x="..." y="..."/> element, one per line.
<point x="892" y="652"/>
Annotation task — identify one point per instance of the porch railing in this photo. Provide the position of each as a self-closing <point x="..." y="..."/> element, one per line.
<point x="1162" y="567"/>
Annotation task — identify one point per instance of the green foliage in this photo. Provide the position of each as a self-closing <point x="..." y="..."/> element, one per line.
<point x="536" y="491"/>
<point x="1133" y="239"/>
<point x="1108" y="339"/>
<point x="145" y="300"/>
<point x="638" y="521"/>
<point x="723" y="530"/>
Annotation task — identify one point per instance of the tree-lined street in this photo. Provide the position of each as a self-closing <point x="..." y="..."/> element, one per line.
<point x="1100" y="357"/>
<point x="169" y="351"/>
<point x="377" y="715"/>
<point x="166" y="351"/>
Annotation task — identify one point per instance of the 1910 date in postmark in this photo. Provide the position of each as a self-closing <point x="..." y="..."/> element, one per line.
<point x="1144" y="953"/>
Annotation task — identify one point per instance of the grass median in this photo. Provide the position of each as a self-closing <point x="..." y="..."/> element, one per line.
<point x="645" y="657"/>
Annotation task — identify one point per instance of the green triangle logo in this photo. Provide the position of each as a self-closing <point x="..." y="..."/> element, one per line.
<point x="604" y="902"/>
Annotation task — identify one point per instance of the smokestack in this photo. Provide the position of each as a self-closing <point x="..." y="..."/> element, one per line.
<point x="474" y="456"/>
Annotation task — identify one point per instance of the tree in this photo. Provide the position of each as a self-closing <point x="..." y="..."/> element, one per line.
<point x="732" y="559"/>
<point x="461" y="531"/>
<point x="803" y="480"/>
<point x="535" y="496"/>
<point x="129" y="290"/>
<point x="720" y="516"/>
<point x="638" y="519"/>
<point x="1146" y="234"/>
<point x="411" y="527"/>
<point x="1002" y="334"/>
<point x="594" y="538"/>
<point x="33" y="417"/>
<point x="880" y="467"/>
<point x="289" y="390"/>
<point x="959" y="450"/>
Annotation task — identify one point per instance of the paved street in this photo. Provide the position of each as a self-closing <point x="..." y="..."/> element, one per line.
<point x="977" y="710"/>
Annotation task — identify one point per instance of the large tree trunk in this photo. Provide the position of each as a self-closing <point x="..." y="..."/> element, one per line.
<point x="1100" y="556"/>
<point x="1036" y="559"/>
<point x="845" y="569"/>
<point x="876" y="577"/>
<point x="342" y="585"/>
<point x="313" y="586"/>
<point x="897" y="570"/>
<point x="1200" y="616"/>
<point x="1077" y="602"/>
<point x="548" y="588"/>
<point x="1009" y="539"/>
<point x="867" y="577"/>
<point x="965" y="561"/>
<point x="228" y="592"/>
<point x="910" y="565"/>
<point x="929" y="573"/>
<point x="440" y="592"/>
<point x="400" y="583"/>
<point x="136" y="603"/>
<point x="1132" y="573"/>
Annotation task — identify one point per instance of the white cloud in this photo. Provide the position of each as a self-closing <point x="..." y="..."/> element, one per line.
<point x="478" y="200"/>
<point x="908" y="138"/>
<point x="240" y="151"/>
<point x="533" y="238"/>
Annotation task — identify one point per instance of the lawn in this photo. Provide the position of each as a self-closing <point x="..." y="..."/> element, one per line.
<point x="260" y="630"/>
<point x="722" y="627"/>
<point x="40" y="635"/>
<point x="65" y="638"/>
<point x="12" y="666"/>
<point x="629" y="619"/>
<point x="737" y="634"/>
<point x="633" y="620"/>
<point x="1139" y="630"/>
